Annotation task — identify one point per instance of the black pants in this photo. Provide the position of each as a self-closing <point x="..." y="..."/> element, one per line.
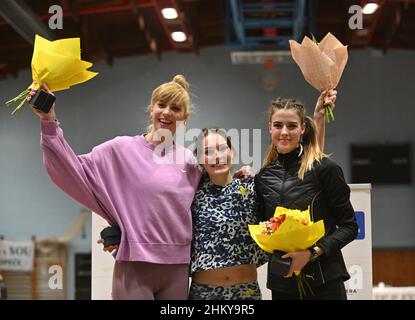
<point x="333" y="290"/>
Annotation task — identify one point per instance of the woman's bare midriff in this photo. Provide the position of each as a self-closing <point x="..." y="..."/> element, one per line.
<point x="226" y="276"/>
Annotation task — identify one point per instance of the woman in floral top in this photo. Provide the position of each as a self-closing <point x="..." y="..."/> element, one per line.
<point x="224" y="256"/>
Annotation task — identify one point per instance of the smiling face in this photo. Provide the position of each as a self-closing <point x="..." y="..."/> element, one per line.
<point x="167" y="115"/>
<point x="170" y="104"/>
<point x="286" y="130"/>
<point x="217" y="155"/>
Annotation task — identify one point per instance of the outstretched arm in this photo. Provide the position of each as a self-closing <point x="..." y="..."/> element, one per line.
<point x="75" y="175"/>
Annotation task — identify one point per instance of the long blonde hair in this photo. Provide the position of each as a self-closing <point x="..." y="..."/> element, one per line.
<point x="176" y="91"/>
<point x="311" y="149"/>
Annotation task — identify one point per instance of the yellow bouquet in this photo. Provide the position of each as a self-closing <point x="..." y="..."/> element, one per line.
<point x="289" y="230"/>
<point x="56" y="63"/>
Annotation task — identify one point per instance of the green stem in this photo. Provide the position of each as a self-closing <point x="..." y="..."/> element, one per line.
<point x="300" y="286"/>
<point x="331" y="113"/>
<point x="328" y="113"/>
<point x="309" y="287"/>
<point x="19" y="106"/>
<point x="21" y="97"/>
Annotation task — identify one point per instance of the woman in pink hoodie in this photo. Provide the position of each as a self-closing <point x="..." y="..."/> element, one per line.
<point x="132" y="182"/>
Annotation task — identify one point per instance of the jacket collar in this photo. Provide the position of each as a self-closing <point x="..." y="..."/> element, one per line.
<point x="289" y="159"/>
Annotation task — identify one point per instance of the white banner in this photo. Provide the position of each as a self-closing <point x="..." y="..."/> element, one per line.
<point x="16" y="255"/>
<point x="102" y="263"/>
<point x="358" y="253"/>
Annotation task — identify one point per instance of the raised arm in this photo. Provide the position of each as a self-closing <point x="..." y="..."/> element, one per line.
<point x="75" y="175"/>
<point x="326" y="97"/>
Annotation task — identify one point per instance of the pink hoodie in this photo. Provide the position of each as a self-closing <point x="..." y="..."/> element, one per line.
<point x="120" y="181"/>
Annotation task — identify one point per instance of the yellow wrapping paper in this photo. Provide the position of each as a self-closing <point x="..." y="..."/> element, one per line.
<point x="58" y="64"/>
<point x="292" y="234"/>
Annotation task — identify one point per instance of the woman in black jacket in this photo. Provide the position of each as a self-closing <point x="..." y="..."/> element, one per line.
<point x="298" y="175"/>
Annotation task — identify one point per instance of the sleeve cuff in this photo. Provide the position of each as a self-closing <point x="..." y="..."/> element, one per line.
<point x="49" y="127"/>
<point x="324" y="247"/>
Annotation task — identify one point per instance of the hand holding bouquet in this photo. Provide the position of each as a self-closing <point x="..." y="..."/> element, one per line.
<point x="288" y="230"/>
<point x="57" y="63"/>
<point x="322" y="63"/>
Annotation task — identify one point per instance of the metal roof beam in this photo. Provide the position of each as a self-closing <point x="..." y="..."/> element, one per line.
<point x="238" y="21"/>
<point x="24" y="20"/>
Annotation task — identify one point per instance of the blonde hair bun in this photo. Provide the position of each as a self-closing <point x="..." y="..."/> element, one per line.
<point x="181" y="81"/>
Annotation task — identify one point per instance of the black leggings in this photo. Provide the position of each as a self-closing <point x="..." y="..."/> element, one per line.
<point x="333" y="290"/>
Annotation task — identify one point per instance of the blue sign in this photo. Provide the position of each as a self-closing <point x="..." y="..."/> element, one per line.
<point x="360" y="218"/>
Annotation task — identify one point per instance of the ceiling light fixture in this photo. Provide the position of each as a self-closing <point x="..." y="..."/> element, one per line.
<point x="370" y="8"/>
<point x="178" y="36"/>
<point x="169" y="13"/>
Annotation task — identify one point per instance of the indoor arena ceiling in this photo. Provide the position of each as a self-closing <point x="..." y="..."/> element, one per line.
<point x="111" y="29"/>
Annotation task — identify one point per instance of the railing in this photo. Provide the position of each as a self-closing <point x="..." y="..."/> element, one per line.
<point x="382" y="292"/>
